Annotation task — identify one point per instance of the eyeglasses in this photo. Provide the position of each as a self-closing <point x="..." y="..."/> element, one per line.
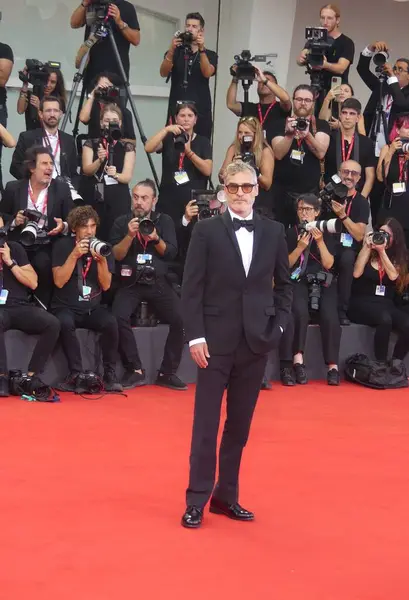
<point x="233" y="188"/>
<point x="180" y="102"/>
<point x="347" y="172"/>
<point x="306" y="209"/>
<point x="396" y="69"/>
<point x="304" y="100"/>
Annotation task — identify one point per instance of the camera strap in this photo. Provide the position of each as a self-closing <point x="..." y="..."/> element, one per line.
<point x="322" y="161"/>
<point x="47" y="143"/>
<point x="142" y="242"/>
<point x="31" y="195"/>
<point x="403" y="168"/>
<point x="341" y="152"/>
<point x="260" y="115"/>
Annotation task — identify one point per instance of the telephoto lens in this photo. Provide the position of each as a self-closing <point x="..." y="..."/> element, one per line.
<point x="101" y="248"/>
<point x="146" y="226"/>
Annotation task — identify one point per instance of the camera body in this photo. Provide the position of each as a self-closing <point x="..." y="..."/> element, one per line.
<point x="111" y="133"/>
<point x="22" y="384"/>
<point x="97" y="11"/>
<point x="34" y="230"/>
<point x="207" y="202"/>
<point x="108" y="94"/>
<point x="89" y="382"/>
<point x="145" y="270"/>
<point x="3" y="235"/>
<point x="301" y="124"/>
<point x="329" y="226"/>
<point x="244" y="69"/>
<point x="317" y="43"/>
<point x="38" y="72"/>
<point x="186" y="37"/>
<point x="247" y="155"/>
<point x="180" y="141"/>
<point x="316" y="281"/>
<point x="381" y="237"/>
<point x="333" y="190"/>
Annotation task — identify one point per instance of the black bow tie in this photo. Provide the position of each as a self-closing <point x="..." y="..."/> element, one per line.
<point x="237" y="223"/>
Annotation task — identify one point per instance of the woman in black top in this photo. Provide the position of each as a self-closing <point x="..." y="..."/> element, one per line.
<point x="108" y="167"/>
<point x="186" y="166"/>
<point x="28" y="103"/>
<point x="311" y="259"/>
<point x="380" y="270"/>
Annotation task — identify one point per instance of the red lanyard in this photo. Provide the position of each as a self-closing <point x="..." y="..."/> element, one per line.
<point x="403" y="173"/>
<point x="181" y="160"/>
<point x="348" y="210"/>
<point x="260" y="116"/>
<point x="381" y="272"/>
<point x="86" y="269"/>
<point x="143" y="242"/>
<point x="30" y="193"/>
<point x="344" y="155"/>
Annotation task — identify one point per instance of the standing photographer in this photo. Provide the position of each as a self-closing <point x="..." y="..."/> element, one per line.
<point x="299" y="144"/>
<point x="186" y="161"/>
<point x="143" y="241"/>
<point x="311" y="258"/>
<point x="190" y="65"/>
<point x="108" y="164"/>
<point x="28" y="104"/>
<point x="6" y="66"/>
<point x="122" y="17"/>
<point x="81" y="272"/>
<point x="331" y="107"/>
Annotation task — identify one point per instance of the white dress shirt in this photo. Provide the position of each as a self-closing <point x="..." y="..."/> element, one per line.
<point x="54" y="144"/>
<point x="40" y="204"/>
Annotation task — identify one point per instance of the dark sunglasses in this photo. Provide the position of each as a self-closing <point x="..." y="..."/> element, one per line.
<point x="233" y="188"/>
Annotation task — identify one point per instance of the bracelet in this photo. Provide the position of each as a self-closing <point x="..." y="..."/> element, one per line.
<point x="202" y="51"/>
<point x="156" y="242"/>
<point x="124" y="26"/>
<point x="235" y="80"/>
<point x="169" y="59"/>
<point x="344" y="218"/>
<point x="265" y="82"/>
<point x="190" y="155"/>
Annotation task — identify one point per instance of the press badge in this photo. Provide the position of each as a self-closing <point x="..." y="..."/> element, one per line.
<point x="126" y="271"/>
<point x="110" y="180"/>
<point x="347" y="240"/>
<point x="181" y="177"/>
<point x="380" y="290"/>
<point x="86" y="293"/>
<point x="3" y="296"/>
<point x="297" y="156"/>
<point x="296" y="273"/>
<point x="141" y="259"/>
<point x="399" y="187"/>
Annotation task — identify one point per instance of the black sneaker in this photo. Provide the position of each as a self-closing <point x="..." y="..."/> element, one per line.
<point x="111" y="383"/>
<point x="300" y="374"/>
<point x="69" y="384"/>
<point x="343" y="319"/>
<point x="4" y="386"/>
<point x="265" y="384"/>
<point x="333" y="377"/>
<point x="132" y="379"/>
<point x="287" y="376"/>
<point x="170" y="381"/>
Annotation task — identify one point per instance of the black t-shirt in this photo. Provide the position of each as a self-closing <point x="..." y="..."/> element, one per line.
<point x="357" y="210"/>
<point x="342" y="47"/>
<point x="198" y="88"/>
<point x="7" y="53"/>
<point x="94" y="126"/>
<point x="314" y="258"/>
<point x="365" y="286"/>
<point x="366" y="156"/>
<point x="269" y="116"/>
<point x="102" y="57"/>
<point x="294" y="176"/>
<point x="69" y="295"/>
<point x="18" y="293"/>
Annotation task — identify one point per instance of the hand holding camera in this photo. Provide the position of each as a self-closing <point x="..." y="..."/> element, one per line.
<point x="20" y="219"/>
<point x="35" y="101"/>
<point x="133" y="227"/>
<point x="200" y="40"/>
<point x="175" y="129"/>
<point x="317" y="235"/>
<point x="304" y="240"/>
<point x="379" y="47"/>
<point x="395" y="146"/>
<point x="191" y="210"/>
<point x="5" y="254"/>
<point x="115" y="13"/>
<point x="338" y="209"/>
<point x="81" y="248"/>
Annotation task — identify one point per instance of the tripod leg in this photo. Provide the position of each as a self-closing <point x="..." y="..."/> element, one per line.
<point x="78" y="77"/>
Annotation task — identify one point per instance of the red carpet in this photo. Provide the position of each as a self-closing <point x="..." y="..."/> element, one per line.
<point x="92" y="494"/>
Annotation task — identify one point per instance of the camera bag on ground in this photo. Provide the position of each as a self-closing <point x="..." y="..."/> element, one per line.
<point x="376" y="374"/>
<point x="89" y="383"/>
<point x="21" y="384"/>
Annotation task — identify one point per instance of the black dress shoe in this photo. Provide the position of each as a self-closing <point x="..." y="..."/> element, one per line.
<point x="333" y="377"/>
<point x="193" y="517"/>
<point x="287" y="376"/>
<point x="233" y="511"/>
<point x="300" y="374"/>
<point x="170" y="381"/>
<point x="4" y="386"/>
<point x="265" y="384"/>
<point x="343" y="319"/>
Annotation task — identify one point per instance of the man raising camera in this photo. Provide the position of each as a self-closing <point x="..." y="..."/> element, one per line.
<point x="82" y="271"/>
<point x="300" y="144"/>
<point x="190" y="65"/>
<point x="142" y="243"/>
<point x="125" y="30"/>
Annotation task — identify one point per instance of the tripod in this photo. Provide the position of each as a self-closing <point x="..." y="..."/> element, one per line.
<point x="246" y="83"/>
<point x="78" y="77"/>
<point x="380" y="115"/>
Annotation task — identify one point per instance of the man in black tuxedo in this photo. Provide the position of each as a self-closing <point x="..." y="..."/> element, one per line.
<point x="233" y="317"/>
<point x="60" y="144"/>
<point x="50" y="197"/>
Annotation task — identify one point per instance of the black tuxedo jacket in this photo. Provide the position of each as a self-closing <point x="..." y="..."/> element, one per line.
<point x="400" y="96"/>
<point x="15" y="198"/>
<point x="27" y="139"/>
<point x="219" y="302"/>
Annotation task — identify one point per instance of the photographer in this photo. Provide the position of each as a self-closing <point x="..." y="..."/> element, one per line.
<point x="347" y="143"/>
<point x="142" y="243"/>
<point x="17" y="277"/>
<point x="108" y="164"/>
<point x="106" y="89"/>
<point x="380" y="270"/>
<point x="338" y="57"/>
<point x="6" y="66"/>
<point x="331" y="107"/>
<point x="190" y="66"/>
<point x="268" y="109"/>
<point x="61" y="145"/>
<point x="250" y="146"/>
<point x="122" y="17"/>
<point x="81" y="272"/>
<point x="186" y="161"/>
<point x="393" y="172"/>
<point x="311" y="258"/>
<point x="299" y="144"/>
<point x="28" y="103"/>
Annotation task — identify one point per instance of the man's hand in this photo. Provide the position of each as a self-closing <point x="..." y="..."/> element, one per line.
<point x="395" y="145"/>
<point x="81" y="248"/>
<point x="339" y="209"/>
<point x="200" y="40"/>
<point x="175" y="43"/>
<point x="334" y="123"/>
<point x="303" y="56"/>
<point x="102" y="153"/>
<point x="5" y="254"/>
<point x="59" y="228"/>
<point x="200" y="354"/>
<point x="133" y="227"/>
<point x="115" y="13"/>
<point x="259" y="73"/>
<point x="20" y="219"/>
<point x="388" y="70"/>
<point x="378" y="47"/>
<point x="97" y="257"/>
<point x="103" y="84"/>
<point x="317" y="235"/>
<point x="191" y="210"/>
<point x="111" y="171"/>
<point x="289" y="126"/>
<point x="304" y="240"/>
<point x="175" y="129"/>
<point x="35" y="101"/>
<point x="152" y="237"/>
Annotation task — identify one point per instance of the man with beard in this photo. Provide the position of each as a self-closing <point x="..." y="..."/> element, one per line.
<point x="300" y="143"/>
<point x="143" y="242"/>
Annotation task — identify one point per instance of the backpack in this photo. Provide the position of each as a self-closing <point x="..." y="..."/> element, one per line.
<point x="376" y="374"/>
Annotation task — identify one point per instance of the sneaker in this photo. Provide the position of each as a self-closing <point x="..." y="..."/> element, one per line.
<point x="343" y="319"/>
<point x="170" y="381"/>
<point x="132" y="379"/>
<point x="69" y="384"/>
<point x="111" y="383"/>
<point x="287" y="376"/>
<point x="300" y="374"/>
<point x="4" y="386"/>
<point x="265" y="384"/>
<point x="333" y="377"/>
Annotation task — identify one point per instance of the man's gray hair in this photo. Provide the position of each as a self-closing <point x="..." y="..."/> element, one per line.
<point x="238" y="166"/>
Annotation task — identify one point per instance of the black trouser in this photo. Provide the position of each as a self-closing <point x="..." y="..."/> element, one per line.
<point x="99" y="320"/>
<point x="327" y="318"/>
<point x="31" y="320"/>
<point x="242" y="372"/>
<point x="345" y="262"/>
<point x="382" y="314"/>
<point x="166" y="305"/>
<point x="3" y="121"/>
<point x="40" y="259"/>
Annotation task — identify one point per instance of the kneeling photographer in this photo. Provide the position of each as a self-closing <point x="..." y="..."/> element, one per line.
<point x="17" y="277"/>
<point x="36" y="209"/>
<point x="249" y="146"/>
<point x="311" y="257"/>
<point x="381" y="270"/>
<point x="82" y="270"/>
<point x="142" y="243"/>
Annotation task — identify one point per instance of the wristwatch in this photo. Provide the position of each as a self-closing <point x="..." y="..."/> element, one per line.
<point x="156" y="242"/>
<point x="13" y="264"/>
<point x="201" y="51"/>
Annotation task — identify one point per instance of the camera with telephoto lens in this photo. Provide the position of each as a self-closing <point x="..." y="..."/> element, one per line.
<point x="108" y="94"/>
<point x="381" y="237"/>
<point x="405" y="146"/>
<point x="247" y="155"/>
<point x="244" y="69"/>
<point x="145" y="270"/>
<point x="329" y="226"/>
<point x="180" y="141"/>
<point x="207" y="202"/>
<point x="186" y="37"/>
<point x="38" y="72"/>
<point x="301" y="124"/>
<point x="333" y="190"/>
<point x="111" y="132"/>
<point x="316" y="281"/>
<point x="99" y="247"/>
<point x="34" y="230"/>
<point x="380" y="59"/>
<point x="89" y="382"/>
<point x="146" y="226"/>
